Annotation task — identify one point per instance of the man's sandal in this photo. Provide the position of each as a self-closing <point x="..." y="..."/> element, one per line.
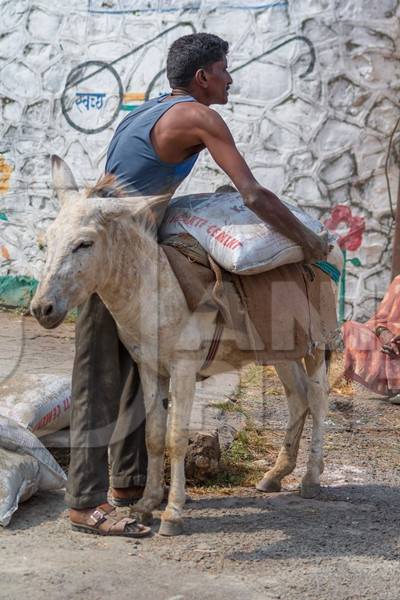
<point x="105" y="523"/>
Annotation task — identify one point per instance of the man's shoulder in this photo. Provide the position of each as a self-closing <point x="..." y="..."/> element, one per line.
<point x="196" y="113"/>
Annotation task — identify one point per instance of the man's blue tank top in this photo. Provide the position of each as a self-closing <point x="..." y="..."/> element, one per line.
<point x="132" y="158"/>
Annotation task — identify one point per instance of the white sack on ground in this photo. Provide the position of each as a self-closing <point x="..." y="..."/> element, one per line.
<point x="16" y="438"/>
<point x="231" y="233"/>
<point x="19" y="480"/>
<point x="42" y="403"/>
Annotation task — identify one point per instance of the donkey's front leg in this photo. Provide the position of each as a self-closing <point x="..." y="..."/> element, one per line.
<point x="318" y="403"/>
<point x="183" y="375"/>
<point x="155" y="391"/>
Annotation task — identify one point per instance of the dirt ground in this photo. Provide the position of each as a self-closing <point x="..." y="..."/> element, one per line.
<point x="345" y="545"/>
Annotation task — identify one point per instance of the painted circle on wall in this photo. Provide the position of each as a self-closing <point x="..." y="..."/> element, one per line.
<point x="92" y="96"/>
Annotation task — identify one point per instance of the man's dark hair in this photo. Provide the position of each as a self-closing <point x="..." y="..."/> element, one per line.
<point x="192" y="52"/>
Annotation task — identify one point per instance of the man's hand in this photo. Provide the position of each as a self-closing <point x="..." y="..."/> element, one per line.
<point x="316" y="247"/>
<point x="390" y="343"/>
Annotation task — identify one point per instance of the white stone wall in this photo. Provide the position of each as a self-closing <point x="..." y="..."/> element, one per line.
<point x="312" y="117"/>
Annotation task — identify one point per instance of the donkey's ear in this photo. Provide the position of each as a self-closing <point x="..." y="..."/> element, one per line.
<point x="63" y="180"/>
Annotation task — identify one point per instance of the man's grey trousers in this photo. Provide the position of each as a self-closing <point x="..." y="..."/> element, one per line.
<point x="107" y="412"/>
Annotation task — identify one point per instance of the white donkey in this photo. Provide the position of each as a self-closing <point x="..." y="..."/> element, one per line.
<point x="102" y="245"/>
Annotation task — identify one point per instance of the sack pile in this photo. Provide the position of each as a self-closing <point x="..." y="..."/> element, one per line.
<point x="42" y="403"/>
<point x="26" y="466"/>
<point x="31" y="406"/>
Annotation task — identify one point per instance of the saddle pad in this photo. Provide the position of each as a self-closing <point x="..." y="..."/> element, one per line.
<point x="276" y="315"/>
<point x="196" y="281"/>
<point x="290" y="309"/>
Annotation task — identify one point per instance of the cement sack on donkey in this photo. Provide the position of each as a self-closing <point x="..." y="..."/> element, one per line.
<point x="42" y="403"/>
<point x="26" y="466"/>
<point x="231" y="233"/>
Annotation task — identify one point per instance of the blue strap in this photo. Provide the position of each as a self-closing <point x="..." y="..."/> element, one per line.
<point x="329" y="269"/>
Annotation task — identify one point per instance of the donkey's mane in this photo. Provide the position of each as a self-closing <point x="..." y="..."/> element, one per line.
<point x="106" y="187"/>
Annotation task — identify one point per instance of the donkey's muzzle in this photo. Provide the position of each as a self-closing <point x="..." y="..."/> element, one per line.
<point x="47" y="313"/>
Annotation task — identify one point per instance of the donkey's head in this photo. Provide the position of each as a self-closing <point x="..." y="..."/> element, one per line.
<point x="80" y="245"/>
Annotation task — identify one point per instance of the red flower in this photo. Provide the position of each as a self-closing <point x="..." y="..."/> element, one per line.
<point x="353" y="238"/>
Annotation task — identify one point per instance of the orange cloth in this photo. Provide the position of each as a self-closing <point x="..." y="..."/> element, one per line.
<point x="364" y="361"/>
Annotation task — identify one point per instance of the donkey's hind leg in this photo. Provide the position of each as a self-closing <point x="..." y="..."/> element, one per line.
<point x="318" y="403"/>
<point x="294" y="380"/>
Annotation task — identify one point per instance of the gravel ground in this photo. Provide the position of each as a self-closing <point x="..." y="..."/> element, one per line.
<point x="238" y="544"/>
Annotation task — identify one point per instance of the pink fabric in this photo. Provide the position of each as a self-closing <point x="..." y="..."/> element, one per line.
<point x="364" y="361"/>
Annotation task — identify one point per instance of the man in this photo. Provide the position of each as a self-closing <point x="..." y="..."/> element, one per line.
<point x="152" y="151"/>
<point x="372" y="349"/>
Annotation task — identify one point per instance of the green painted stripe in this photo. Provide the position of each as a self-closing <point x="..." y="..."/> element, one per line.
<point x="128" y="107"/>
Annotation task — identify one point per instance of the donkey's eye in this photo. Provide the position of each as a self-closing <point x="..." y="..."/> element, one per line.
<point x="82" y="245"/>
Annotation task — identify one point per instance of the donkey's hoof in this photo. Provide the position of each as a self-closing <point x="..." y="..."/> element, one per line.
<point x="268" y="485"/>
<point x="310" y="490"/>
<point x="171" y="527"/>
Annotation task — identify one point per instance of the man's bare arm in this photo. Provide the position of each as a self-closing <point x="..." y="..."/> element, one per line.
<point x="215" y="135"/>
